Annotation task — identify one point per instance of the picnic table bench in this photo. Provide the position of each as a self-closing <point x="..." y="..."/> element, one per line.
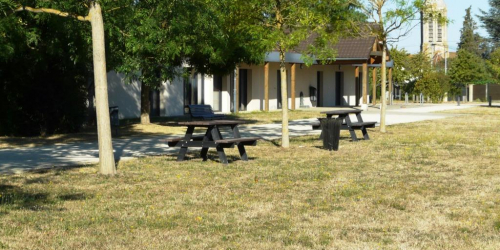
<point x="212" y="139"/>
<point x="204" y="112"/>
<point x="347" y="124"/>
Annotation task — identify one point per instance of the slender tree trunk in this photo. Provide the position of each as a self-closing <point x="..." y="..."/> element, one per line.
<point x="106" y="157"/>
<point x="145" y="105"/>
<point x="285" y="138"/>
<point x="383" y="99"/>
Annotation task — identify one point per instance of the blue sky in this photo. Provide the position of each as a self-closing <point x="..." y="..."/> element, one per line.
<point x="456" y="13"/>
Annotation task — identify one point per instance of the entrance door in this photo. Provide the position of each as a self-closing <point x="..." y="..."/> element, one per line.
<point x="339" y="88"/>
<point x="319" y="88"/>
<point x="358" y="88"/>
<point x="279" y="89"/>
<point x="243" y="89"/>
<point x="190" y="91"/>
<point x="154" y="102"/>
<point x="217" y="95"/>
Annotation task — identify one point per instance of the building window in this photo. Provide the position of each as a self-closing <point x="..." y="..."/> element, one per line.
<point x="440" y="29"/>
<point x="431" y="29"/>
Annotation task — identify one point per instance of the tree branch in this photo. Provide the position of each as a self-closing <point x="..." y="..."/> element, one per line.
<point x="52" y="11"/>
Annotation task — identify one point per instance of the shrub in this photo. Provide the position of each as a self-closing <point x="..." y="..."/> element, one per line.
<point x="433" y="85"/>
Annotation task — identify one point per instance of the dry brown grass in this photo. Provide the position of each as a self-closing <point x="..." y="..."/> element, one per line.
<point x="426" y="185"/>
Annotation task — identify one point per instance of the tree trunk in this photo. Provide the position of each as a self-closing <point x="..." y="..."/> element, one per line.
<point x="285" y="139"/>
<point x="383" y="100"/>
<point x="145" y="105"/>
<point x="106" y="157"/>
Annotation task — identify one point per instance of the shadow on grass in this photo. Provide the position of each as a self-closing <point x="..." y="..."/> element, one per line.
<point x="18" y="198"/>
<point x="492" y="106"/>
<point x="212" y="156"/>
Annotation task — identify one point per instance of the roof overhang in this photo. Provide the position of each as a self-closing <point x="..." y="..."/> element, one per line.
<point x="290" y="57"/>
<point x="388" y="64"/>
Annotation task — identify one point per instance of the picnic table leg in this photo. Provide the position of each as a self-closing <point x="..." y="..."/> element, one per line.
<point x="241" y="148"/>
<point x="351" y="130"/>
<point x="187" y="138"/>
<point x="365" y="133"/>
<point x="207" y="137"/>
<point x="363" y="129"/>
<point x="358" y="116"/>
<point x="220" y="150"/>
<point x="222" y="155"/>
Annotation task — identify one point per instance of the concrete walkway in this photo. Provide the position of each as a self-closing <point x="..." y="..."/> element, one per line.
<point x="21" y="159"/>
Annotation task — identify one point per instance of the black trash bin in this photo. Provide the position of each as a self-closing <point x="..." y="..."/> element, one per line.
<point x="114" y="118"/>
<point x="331" y="133"/>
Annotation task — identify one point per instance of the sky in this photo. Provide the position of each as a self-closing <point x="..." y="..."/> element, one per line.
<point x="456" y="13"/>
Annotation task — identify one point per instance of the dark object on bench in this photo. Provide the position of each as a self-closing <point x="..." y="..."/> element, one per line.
<point x="330" y="129"/>
<point x="204" y="112"/>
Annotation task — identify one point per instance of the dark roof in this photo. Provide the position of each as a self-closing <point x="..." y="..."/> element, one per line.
<point x="347" y="48"/>
<point x="355" y="48"/>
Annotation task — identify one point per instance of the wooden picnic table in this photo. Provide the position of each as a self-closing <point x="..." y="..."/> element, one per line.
<point x="347" y="124"/>
<point x="212" y="139"/>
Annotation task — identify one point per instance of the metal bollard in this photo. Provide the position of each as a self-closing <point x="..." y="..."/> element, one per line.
<point x="331" y="133"/>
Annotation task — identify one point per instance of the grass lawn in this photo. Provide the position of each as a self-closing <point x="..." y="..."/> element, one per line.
<point x="158" y="126"/>
<point x="425" y="185"/>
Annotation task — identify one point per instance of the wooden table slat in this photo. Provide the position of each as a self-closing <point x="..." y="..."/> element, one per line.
<point x="342" y="111"/>
<point x="211" y="123"/>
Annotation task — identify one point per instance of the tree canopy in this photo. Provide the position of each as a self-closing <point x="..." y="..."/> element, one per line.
<point x="491" y="20"/>
<point x="468" y="68"/>
<point x="282" y="25"/>
<point x="469" y="39"/>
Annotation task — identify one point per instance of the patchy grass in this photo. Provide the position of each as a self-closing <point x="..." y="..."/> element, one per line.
<point x="158" y="126"/>
<point x="425" y="185"/>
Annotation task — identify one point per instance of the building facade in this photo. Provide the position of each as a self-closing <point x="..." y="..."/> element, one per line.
<point x="343" y="82"/>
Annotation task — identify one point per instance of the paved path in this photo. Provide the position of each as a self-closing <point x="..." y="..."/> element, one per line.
<point x="21" y="159"/>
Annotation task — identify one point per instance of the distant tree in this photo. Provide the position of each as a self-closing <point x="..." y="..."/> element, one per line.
<point x="469" y="39"/>
<point x="394" y="19"/>
<point x="435" y="85"/>
<point x="491" y="20"/>
<point x="419" y="65"/>
<point x="494" y="65"/>
<point x="284" y="24"/>
<point x="467" y="68"/>
<point x="401" y="70"/>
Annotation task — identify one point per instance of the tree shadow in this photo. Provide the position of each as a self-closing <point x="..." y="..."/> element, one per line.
<point x="492" y="106"/>
<point x="17" y="198"/>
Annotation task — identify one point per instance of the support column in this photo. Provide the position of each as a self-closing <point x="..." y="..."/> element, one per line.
<point x="266" y="87"/>
<point x="237" y="89"/>
<point x="471" y="93"/>
<point x="293" y="85"/>
<point x="364" y="105"/>
<point x="356" y="82"/>
<point x="391" y="87"/>
<point x="374" y="86"/>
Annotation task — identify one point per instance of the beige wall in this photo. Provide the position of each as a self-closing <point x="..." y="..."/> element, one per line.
<point x="305" y="77"/>
<point x="127" y="96"/>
